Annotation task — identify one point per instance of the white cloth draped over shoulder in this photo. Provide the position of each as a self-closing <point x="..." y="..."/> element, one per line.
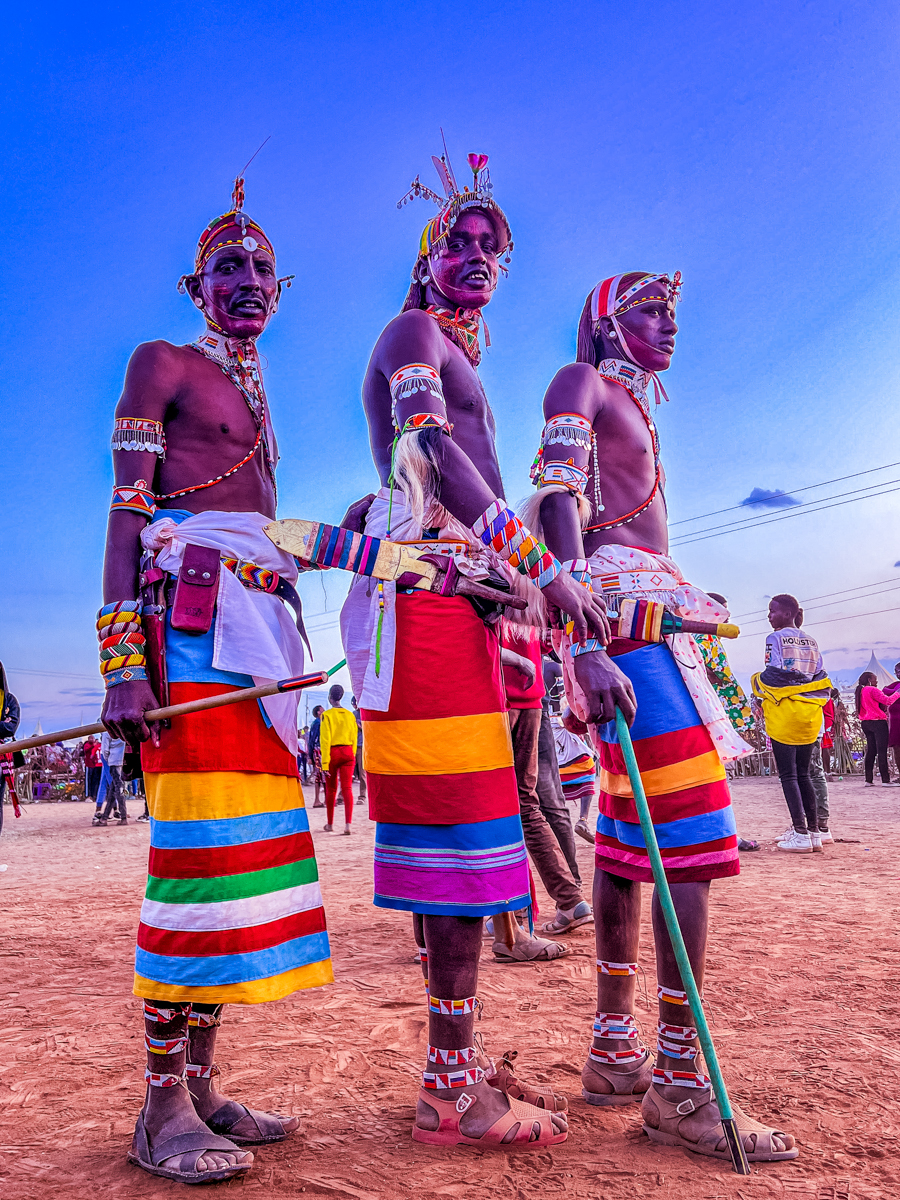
<point x="686" y="601"/>
<point x="254" y="633"/>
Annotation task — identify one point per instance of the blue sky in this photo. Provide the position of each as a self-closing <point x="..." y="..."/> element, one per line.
<point x="753" y="150"/>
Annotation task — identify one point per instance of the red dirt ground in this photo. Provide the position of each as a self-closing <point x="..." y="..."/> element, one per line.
<point x="802" y="986"/>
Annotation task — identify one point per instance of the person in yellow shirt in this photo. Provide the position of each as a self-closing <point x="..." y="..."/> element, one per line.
<point x="337" y="736"/>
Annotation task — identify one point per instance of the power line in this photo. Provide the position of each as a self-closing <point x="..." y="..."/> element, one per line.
<point x="799" y="512"/>
<point x="824" y="596"/>
<point x="807" y="608"/>
<point x="831" y="620"/>
<point x="809" y="488"/>
<point x="55" y="674"/>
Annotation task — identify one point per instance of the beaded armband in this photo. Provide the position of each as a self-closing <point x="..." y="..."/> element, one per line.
<point x="135" y="433"/>
<point x="567" y="429"/>
<point x="137" y="499"/>
<point x="414" y="382"/>
<point x="500" y="528"/>
<point x="122" y="643"/>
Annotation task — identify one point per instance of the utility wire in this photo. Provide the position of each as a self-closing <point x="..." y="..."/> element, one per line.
<point x="810" y="487"/>
<point x="798" y="512"/>
<point x="824" y="596"/>
<point x="845" y="600"/>
<point x="831" y="620"/>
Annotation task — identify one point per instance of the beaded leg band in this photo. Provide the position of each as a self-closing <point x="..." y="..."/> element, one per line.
<point x="671" y="995"/>
<point x="675" y="1041"/>
<point x="163" y="1016"/>
<point x="157" y="1079"/>
<point x="454" y="1008"/>
<point x="617" y="1027"/>
<point x="451" y="1079"/>
<point x="165" y="1045"/>
<point x="204" y="1020"/>
<point x="199" y="1071"/>
<point x="615" y="968"/>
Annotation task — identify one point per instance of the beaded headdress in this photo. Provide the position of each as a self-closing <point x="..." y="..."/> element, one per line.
<point x="233" y="228"/>
<point x="456" y="201"/>
<point x="605" y="302"/>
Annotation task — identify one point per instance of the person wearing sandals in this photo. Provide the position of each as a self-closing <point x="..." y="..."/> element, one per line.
<point x="872" y="706"/>
<point x="233" y="911"/>
<point x="426" y="667"/>
<point x="794" y="690"/>
<point x="601" y="508"/>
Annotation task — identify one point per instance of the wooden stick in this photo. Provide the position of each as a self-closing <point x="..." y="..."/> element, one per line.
<point x="729" y="1125"/>
<point x="296" y="684"/>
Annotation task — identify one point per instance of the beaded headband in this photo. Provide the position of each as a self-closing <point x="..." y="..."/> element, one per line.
<point x="456" y="201"/>
<point x="605" y="302"/>
<point x="233" y="228"/>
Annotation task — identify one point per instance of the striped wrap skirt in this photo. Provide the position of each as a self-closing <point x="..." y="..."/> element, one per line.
<point x="439" y="768"/>
<point x="683" y="777"/>
<point x="233" y="912"/>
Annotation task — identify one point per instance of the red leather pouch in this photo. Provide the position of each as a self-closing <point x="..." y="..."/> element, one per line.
<point x="196" y="589"/>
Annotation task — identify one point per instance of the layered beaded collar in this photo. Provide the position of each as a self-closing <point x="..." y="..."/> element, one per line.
<point x="462" y="329"/>
<point x="634" y="378"/>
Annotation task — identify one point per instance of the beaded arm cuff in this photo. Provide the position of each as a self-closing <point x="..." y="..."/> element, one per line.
<point x="138" y="499"/>
<point x="578" y="569"/>
<point x="500" y="528"/>
<point x="407" y="383"/>
<point x="567" y="429"/>
<point x="136" y="433"/>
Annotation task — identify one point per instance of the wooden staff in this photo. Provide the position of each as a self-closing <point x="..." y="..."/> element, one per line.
<point x="295" y="684"/>
<point x="729" y="1125"/>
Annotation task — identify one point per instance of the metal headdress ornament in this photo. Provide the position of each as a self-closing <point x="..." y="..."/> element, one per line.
<point x="456" y="201"/>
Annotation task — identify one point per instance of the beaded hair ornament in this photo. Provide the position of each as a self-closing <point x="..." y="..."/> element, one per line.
<point x="606" y="303"/>
<point x="456" y="201"/>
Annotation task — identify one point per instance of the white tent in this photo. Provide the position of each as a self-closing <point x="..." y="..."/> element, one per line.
<point x="880" y="672"/>
<point x="38" y="729"/>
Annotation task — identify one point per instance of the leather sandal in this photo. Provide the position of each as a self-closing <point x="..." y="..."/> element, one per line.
<point x="525" y="1116"/>
<point x="151" y="1157"/>
<point x="629" y="1087"/>
<point x="501" y="1077"/>
<point x="269" y="1126"/>
<point x="662" y="1119"/>
<point x="535" y="949"/>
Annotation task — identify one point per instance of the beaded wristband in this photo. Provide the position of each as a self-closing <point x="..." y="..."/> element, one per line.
<point x="122" y="643"/>
<point x="500" y="528"/>
<point x="591" y="646"/>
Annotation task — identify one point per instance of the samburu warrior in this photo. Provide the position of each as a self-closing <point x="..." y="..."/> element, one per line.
<point x="600" y="505"/>
<point x="426" y="667"/>
<point x="233" y="912"/>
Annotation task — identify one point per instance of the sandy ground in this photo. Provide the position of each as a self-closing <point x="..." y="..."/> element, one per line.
<point x="802" y="986"/>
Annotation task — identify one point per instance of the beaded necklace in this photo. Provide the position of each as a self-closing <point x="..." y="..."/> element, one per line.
<point x="238" y="359"/>
<point x="461" y="328"/>
<point x="635" y="381"/>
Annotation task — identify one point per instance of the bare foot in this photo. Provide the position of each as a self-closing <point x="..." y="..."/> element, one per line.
<point x="490" y="1106"/>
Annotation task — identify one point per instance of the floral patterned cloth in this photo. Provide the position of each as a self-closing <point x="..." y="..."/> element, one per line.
<point x="718" y="670"/>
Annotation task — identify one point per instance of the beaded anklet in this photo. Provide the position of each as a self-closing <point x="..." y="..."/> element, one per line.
<point x="616" y="1027"/>
<point x="198" y="1071"/>
<point x="691" y="1079"/>
<point x="164" y="1015"/>
<point x="676" y="1041"/>
<point x="452" y="1079"/>
<point x="452" y="1058"/>
<point x="155" y="1079"/>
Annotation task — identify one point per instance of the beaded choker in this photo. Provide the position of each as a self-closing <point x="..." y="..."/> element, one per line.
<point x="461" y="328"/>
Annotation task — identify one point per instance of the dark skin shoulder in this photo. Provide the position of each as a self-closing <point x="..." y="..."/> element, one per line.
<point x="411" y="337"/>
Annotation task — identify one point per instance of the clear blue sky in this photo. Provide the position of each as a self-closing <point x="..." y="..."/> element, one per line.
<point x="754" y="150"/>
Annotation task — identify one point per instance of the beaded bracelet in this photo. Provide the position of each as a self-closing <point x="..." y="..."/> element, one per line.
<point x="579" y="570"/>
<point x="500" y="528"/>
<point x="122" y="643"/>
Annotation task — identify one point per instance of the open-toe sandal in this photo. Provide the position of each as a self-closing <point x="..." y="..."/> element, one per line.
<point x="629" y="1087"/>
<point x="197" y="1141"/>
<point x="526" y="1116"/>
<point x="503" y="1078"/>
<point x="663" y="1118"/>
<point x="533" y="950"/>
<point x="268" y="1125"/>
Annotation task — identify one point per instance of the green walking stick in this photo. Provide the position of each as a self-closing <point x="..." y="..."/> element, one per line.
<point x="729" y="1126"/>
